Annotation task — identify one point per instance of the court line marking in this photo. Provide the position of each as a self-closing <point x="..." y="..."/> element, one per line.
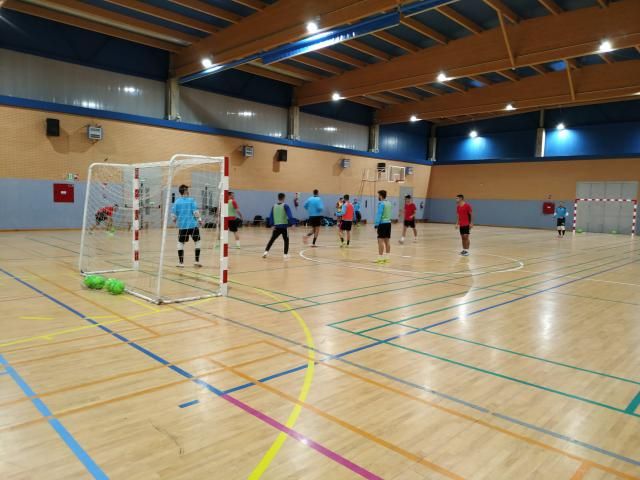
<point x="462" y="415"/>
<point x="36" y="318"/>
<point x="336" y="457"/>
<point x="55" y="333"/>
<point x="275" y="447"/>
<point x="581" y="471"/>
<point x="633" y="405"/>
<point x="359" y="431"/>
<point x="604" y="281"/>
<point x="63" y="433"/>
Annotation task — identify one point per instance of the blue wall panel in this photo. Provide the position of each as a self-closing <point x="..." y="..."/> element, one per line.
<point x="602" y="140"/>
<point x="405" y="141"/>
<point x="505" y="213"/>
<point x="518" y="144"/>
<point x="344" y="110"/>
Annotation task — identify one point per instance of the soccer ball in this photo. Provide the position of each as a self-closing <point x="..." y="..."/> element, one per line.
<point x="401" y="241"/>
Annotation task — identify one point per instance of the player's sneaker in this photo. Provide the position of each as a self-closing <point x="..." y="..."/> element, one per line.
<point x="264" y="255"/>
<point x="286" y="256"/>
<point x="197" y="265"/>
<point x="415" y="240"/>
<point x="464" y="253"/>
<point x="180" y="265"/>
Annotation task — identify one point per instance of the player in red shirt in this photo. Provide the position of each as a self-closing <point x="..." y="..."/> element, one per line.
<point x="409" y="218"/>
<point x="464" y="223"/>
<point x="105" y="214"/>
<point x="346" y="215"/>
<point x="235" y="218"/>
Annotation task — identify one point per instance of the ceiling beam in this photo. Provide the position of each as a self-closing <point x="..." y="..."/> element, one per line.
<point x="164" y="14"/>
<point x="552" y="6"/>
<point x="85" y="24"/>
<point x="591" y="84"/>
<point x="455" y="85"/>
<point x="209" y="9"/>
<point x="421" y="28"/>
<point x="289" y="70"/>
<point x="397" y="41"/>
<point x="279" y="23"/>
<point x="408" y="94"/>
<point x="119" y="20"/>
<point x="368" y="102"/>
<point x="385" y="98"/>
<point x="451" y="14"/>
<point x="255" y="4"/>
<point x="502" y="9"/>
<point x="364" y="48"/>
<point x="538" y="68"/>
<point x="572" y="88"/>
<point x="509" y="75"/>
<point x="572" y="34"/>
<point x="428" y="89"/>
<point x="605" y="57"/>
<point x="320" y="65"/>
<point x="349" y="60"/>
<point x="603" y="3"/>
<point x="261" y="72"/>
<point x="480" y="79"/>
<point x="505" y="35"/>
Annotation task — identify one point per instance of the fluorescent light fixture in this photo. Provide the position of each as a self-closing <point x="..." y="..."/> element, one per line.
<point x="473" y="134"/>
<point x="330" y="129"/>
<point x="336" y="96"/>
<point x="246" y="114"/>
<point x="442" y="77"/>
<point x="605" y="46"/>
<point x="206" y="62"/>
<point x="130" y="89"/>
<point x="312" y="27"/>
<point x="413" y="118"/>
<point x="509" y="107"/>
<point x="560" y="126"/>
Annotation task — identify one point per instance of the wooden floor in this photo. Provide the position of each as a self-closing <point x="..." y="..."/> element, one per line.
<point x="521" y="361"/>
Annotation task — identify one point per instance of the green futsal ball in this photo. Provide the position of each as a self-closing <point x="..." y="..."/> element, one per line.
<point x="579" y="230"/>
<point x="614" y="232"/>
<point x="116" y="287"/>
<point x="94" y="282"/>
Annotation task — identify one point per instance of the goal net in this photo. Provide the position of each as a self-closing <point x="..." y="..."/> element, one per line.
<point x="133" y="228"/>
<point x="605" y="215"/>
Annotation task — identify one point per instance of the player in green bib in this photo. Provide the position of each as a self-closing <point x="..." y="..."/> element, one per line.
<point x="383" y="225"/>
<point x="280" y="217"/>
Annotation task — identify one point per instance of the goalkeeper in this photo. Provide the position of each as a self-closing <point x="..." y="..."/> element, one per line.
<point x="186" y="216"/>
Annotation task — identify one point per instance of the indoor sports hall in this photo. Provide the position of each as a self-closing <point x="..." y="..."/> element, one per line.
<point x="319" y="240"/>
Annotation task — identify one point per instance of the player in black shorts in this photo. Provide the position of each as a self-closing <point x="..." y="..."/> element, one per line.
<point x="314" y="207"/>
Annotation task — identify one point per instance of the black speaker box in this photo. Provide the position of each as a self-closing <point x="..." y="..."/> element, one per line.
<point x="53" y="127"/>
<point x="282" y="155"/>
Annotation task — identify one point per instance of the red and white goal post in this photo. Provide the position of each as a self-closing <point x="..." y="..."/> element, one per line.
<point x="128" y="221"/>
<point x="632" y="201"/>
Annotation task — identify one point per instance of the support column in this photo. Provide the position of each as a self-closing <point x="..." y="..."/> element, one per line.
<point x="374" y="138"/>
<point x="433" y="144"/>
<point x="540" y="136"/>
<point x="173" y="99"/>
<point x="293" y="123"/>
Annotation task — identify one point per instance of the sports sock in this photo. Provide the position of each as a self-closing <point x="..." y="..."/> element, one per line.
<point x="197" y="254"/>
<point x="181" y="255"/>
<point x="314" y="240"/>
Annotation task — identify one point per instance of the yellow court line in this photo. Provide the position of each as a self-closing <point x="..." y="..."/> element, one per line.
<point x="141" y="303"/>
<point x="51" y="335"/>
<point x="268" y="457"/>
<point x="36" y="318"/>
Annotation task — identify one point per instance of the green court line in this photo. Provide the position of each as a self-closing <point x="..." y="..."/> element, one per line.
<point x="480" y="288"/>
<point x="520" y="354"/>
<point x="633" y="405"/>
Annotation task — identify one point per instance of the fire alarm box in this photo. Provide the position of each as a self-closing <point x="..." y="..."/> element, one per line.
<point x="63" y="193"/>
<point x="548" y="208"/>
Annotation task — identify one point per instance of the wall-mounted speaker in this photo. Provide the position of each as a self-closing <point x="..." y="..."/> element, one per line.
<point x="282" y="155"/>
<point x="53" y="127"/>
<point x="382" y="167"/>
<point x="345" y="163"/>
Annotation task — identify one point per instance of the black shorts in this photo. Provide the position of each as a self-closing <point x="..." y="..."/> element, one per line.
<point x="315" y="221"/>
<point x="234" y="224"/>
<point x="561" y="222"/>
<point x="410" y="223"/>
<point x="465" y="230"/>
<point x="185" y="233"/>
<point x="101" y="217"/>
<point x="384" y="230"/>
<point x="345" y="225"/>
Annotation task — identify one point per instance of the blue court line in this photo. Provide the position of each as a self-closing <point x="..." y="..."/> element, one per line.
<point x="635" y="403"/>
<point x="353" y="364"/>
<point x="188" y="404"/>
<point x="62" y="432"/>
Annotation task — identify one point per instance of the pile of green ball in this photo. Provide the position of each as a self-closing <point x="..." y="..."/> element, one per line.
<point x="98" y="282"/>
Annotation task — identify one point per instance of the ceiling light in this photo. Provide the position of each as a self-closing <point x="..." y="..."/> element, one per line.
<point x="473" y="134"/>
<point x="442" y="77"/>
<point x="414" y="118"/>
<point x="509" y="107"/>
<point x="312" y="27"/>
<point x="560" y="126"/>
<point x="246" y="114"/>
<point x="605" y="46"/>
<point x="335" y="97"/>
<point x="330" y="129"/>
<point x="206" y="62"/>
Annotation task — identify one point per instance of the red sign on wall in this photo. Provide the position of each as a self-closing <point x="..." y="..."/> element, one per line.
<point x="63" y="193"/>
<point x="548" y="208"/>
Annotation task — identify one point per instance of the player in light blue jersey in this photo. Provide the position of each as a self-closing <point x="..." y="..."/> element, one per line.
<point x="315" y="208"/>
<point x="186" y="216"/>
<point x="561" y="216"/>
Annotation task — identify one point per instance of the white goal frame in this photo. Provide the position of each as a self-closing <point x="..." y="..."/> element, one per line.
<point x="223" y="224"/>
<point x="634" y="201"/>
